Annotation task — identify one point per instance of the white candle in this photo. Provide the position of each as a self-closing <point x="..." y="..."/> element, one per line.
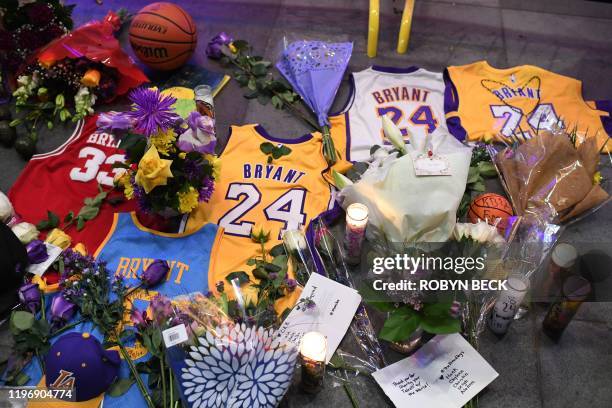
<point x="356" y="222"/>
<point x="313" y="351"/>
<point x="507" y="305"/>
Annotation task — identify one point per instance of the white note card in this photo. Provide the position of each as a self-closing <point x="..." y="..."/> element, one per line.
<point x="446" y="372"/>
<point x="334" y="308"/>
<point x="40" y="268"/>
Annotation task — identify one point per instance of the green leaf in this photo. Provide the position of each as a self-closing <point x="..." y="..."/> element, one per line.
<point x="263" y="99"/>
<point x="400" y="325"/>
<point x="120" y="386"/>
<point x="277" y="250"/>
<point x="276" y="154"/>
<point x="252" y="84"/>
<point x="156" y="339"/>
<point x="251" y="95"/>
<point x="21" y="379"/>
<point x="486" y="169"/>
<point x="251" y="261"/>
<point x="98" y="199"/>
<point x="22" y="320"/>
<point x="473" y="175"/>
<point x="440" y="324"/>
<point x="479" y="186"/>
<point x="15" y="122"/>
<point x="242" y="277"/>
<point x="88" y="213"/>
<point x="241" y="45"/>
<point x="285" y="150"/>
<point x="80" y="223"/>
<point x="53" y="219"/>
<point x="276" y="102"/>
<point x="437" y="309"/>
<point x="259" y="70"/>
<point x="267" y="147"/>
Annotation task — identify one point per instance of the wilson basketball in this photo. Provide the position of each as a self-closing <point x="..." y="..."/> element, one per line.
<point x="163" y="36"/>
<point x="490" y="207"/>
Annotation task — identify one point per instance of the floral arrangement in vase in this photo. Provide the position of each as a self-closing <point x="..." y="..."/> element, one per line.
<point x="171" y="166"/>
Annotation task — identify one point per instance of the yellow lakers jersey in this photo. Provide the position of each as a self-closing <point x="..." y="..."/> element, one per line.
<point x="518" y="101"/>
<point x="282" y="195"/>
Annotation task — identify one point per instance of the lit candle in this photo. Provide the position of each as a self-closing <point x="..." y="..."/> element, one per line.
<point x="313" y="350"/>
<point x="356" y="222"/>
<point x="508" y="303"/>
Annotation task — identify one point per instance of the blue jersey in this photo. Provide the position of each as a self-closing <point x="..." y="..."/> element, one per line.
<point x="130" y="248"/>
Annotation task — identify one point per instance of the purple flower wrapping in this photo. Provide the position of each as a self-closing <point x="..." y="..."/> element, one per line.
<point x="37" y="252"/>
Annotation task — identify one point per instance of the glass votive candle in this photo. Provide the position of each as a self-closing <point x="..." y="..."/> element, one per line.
<point x="576" y="290"/>
<point x="508" y="303"/>
<point x="562" y="260"/>
<point x="313" y="351"/>
<point x="356" y="222"/>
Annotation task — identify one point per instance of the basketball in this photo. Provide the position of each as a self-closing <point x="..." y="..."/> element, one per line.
<point x="490" y="207"/>
<point x="163" y="36"/>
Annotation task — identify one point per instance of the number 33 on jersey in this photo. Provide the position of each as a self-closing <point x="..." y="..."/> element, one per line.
<point x="283" y="195"/>
<point x="60" y="180"/>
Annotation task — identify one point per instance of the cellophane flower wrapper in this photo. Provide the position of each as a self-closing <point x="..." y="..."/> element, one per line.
<point x="300" y="256"/>
<point x="329" y="256"/>
<point x="226" y="364"/>
<point x="96" y="41"/>
<point x="549" y="174"/>
<point x="314" y="68"/>
<point x="395" y="195"/>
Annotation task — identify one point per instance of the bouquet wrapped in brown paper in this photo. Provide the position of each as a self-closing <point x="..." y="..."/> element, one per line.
<point x="548" y="173"/>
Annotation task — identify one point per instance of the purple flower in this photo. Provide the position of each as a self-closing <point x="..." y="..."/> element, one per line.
<point x="37" y="252"/>
<point x="200" y="136"/>
<point x="214" y="47"/>
<point x="115" y="122"/>
<point x="206" y="190"/>
<point x="192" y="169"/>
<point x="155" y="273"/>
<point x="152" y="112"/>
<point x="62" y="310"/>
<point x="161" y="308"/>
<point x="273" y="275"/>
<point x="139" y="318"/>
<point x="29" y="295"/>
<point x="291" y="284"/>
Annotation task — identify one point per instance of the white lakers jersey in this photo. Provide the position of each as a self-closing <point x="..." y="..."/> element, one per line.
<point x="412" y="97"/>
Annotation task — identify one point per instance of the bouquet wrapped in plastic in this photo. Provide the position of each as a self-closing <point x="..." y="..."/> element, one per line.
<point x="66" y="78"/>
<point x="407" y="207"/>
<point x="224" y="364"/>
<point x="549" y="173"/>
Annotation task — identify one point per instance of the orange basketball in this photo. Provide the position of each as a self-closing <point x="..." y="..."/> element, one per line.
<point x="163" y="36"/>
<point x="490" y="207"/>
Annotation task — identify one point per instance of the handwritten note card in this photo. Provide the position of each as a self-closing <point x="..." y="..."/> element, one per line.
<point x="445" y="373"/>
<point x="334" y="308"/>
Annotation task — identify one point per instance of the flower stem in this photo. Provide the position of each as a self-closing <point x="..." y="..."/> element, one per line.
<point x="351" y="395"/>
<point x="67" y="327"/>
<point x="329" y="150"/>
<point x="163" y="378"/>
<point x="141" y="385"/>
<point x="171" y="387"/>
<point x="263" y="251"/>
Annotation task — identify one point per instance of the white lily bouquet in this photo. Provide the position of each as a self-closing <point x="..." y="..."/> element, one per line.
<point x="413" y="191"/>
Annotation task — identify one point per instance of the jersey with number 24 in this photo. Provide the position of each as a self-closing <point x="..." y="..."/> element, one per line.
<point x="60" y="180"/>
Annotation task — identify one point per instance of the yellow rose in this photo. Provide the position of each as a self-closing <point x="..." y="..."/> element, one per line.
<point x="153" y="171"/>
<point x="59" y="238"/>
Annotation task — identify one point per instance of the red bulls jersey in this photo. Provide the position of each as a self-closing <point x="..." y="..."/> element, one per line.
<point x="60" y="180"/>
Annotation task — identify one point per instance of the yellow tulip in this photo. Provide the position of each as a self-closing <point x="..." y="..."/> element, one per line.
<point x="59" y="238"/>
<point x="80" y="248"/>
<point x="153" y="171"/>
<point x="259" y="235"/>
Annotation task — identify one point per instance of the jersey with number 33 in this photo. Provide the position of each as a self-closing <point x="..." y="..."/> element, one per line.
<point x="413" y="98"/>
<point x="60" y="180"/>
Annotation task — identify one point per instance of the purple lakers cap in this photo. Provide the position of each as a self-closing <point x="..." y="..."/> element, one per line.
<point x="78" y="361"/>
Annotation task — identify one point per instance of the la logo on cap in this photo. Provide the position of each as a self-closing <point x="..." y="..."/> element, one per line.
<point x="64" y="380"/>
